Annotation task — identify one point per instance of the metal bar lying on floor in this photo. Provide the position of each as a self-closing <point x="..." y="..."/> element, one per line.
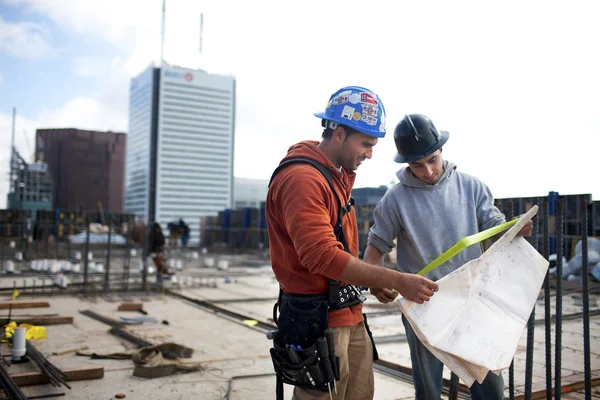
<point x="54" y="374"/>
<point x="11" y="389"/>
<point x="46" y="396"/>
<point x="101" y="318"/>
<point x="129" y="337"/>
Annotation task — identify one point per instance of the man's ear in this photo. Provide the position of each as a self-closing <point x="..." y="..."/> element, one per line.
<point x="339" y="134"/>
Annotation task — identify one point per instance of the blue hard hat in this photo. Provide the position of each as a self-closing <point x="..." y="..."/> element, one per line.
<point x="357" y="108"/>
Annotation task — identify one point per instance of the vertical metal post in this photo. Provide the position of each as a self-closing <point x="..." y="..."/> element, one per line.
<point x="531" y="322"/>
<point x="108" y="218"/>
<point x="68" y="236"/>
<point x="127" y="260"/>
<point x="559" y="286"/>
<point x="47" y="236"/>
<point x="547" y="328"/>
<point x="86" y="251"/>
<point x="3" y="243"/>
<point x="511" y="369"/>
<point x="453" y="392"/>
<point x="586" y="302"/>
<point x="145" y="246"/>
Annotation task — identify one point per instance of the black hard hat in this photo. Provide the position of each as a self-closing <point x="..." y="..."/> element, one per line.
<point x="416" y="137"/>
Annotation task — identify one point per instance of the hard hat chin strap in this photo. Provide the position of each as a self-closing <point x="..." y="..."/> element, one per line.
<point x="329" y="124"/>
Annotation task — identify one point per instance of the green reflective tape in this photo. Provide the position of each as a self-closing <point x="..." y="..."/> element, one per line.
<point x="466" y="242"/>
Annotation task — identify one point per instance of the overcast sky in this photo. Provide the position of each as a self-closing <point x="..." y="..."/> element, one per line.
<point x="517" y="84"/>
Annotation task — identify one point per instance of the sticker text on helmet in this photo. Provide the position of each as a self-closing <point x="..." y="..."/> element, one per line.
<point x="369" y="109"/>
<point x="341" y="98"/>
<point x="368" y="98"/>
<point x="369" y="119"/>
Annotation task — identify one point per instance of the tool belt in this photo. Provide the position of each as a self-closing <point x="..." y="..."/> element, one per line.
<point x="303" y="351"/>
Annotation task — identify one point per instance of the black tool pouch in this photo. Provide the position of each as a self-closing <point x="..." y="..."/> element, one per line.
<point x="301" y="368"/>
<point x="311" y="363"/>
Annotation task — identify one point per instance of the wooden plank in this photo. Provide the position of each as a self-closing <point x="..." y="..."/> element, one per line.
<point x="130" y="306"/>
<point x="37" y="378"/>
<point x="44" y="321"/>
<point x="29" y="304"/>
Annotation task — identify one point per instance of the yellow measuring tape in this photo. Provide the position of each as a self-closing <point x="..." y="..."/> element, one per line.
<point x="466" y="242"/>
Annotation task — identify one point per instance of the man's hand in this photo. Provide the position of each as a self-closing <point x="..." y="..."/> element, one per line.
<point x="527" y="229"/>
<point x="384" y="295"/>
<point x="415" y="288"/>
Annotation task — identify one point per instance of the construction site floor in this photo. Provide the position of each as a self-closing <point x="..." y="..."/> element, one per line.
<point x="234" y="355"/>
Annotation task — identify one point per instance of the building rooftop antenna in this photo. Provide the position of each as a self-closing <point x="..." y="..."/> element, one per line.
<point x="201" y="28"/>
<point x="162" y="33"/>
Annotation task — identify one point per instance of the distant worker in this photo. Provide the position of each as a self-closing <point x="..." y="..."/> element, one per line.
<point x="313" y="240"/>
<point x="428" y="211"/>
<point x="156" y="250"/>
<point x="185" y="233"/>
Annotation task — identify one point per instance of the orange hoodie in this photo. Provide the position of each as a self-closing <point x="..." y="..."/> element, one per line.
<point x="301" y="212"/>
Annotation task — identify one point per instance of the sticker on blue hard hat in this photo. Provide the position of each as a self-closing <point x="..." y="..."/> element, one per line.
<point x="354" y="98"/>
<point x="369" y="109"/>
<point x="347" y="112"/>
<point x="368" y="98"/>
<point x="369" y="119"/>
<point x="356" y="116"/>
<point x="329" y="104"/>
<point x="342" y="97"/>
<point x="382" y="125"/>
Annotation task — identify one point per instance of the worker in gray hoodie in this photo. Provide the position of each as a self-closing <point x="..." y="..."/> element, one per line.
<point x="432" y="207"/>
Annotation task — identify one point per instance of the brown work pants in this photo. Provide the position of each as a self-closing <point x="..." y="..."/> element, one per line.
<point x="355" y="350"/>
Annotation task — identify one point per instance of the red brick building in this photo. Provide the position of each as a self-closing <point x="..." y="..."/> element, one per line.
<point x="87" y="167"/>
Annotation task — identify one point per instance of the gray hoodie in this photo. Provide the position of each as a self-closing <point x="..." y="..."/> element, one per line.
<point x="429" y="219"/>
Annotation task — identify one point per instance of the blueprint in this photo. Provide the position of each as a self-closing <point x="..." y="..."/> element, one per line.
<point x="474" y="322"/>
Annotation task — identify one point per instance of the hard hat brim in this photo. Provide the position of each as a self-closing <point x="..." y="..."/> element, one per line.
<point x="444" y="135"/>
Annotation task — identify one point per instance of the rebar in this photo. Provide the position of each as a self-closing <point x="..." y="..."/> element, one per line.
<point x="129" y="337"/>
<point x="547" y="312"/>
<point x="107" y="271"/>
<point x="531" y="325"/>
<point x="11" y="389"/>
<point x="586" y="303"/>
<point x="54" y="374"/>
<point x="559" y="284"/>
<point x="511" y="369"/>
<point x="87" y="249"/>
<point x="108" y="321"/>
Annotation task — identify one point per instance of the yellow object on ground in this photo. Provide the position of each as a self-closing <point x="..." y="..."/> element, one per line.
<point x="31" y="331"/>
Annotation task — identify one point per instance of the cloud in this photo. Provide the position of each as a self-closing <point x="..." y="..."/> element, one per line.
<point x="505" y="95"/>
<point x="88" y="66"/>
<point x="84" y="113"/>
<point x="26" y="40"/>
